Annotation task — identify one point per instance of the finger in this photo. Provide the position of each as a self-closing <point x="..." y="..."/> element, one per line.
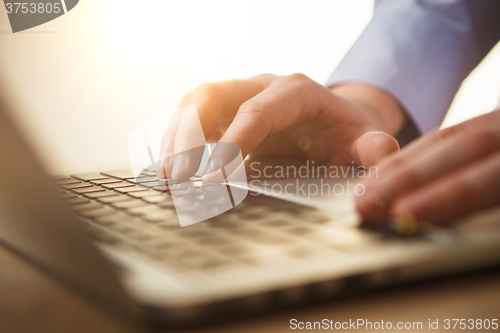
<point x="189" y="144"/>
<point x="414" y="149"/>
<point x="464" y="191"/>
<point x="371" y="147"/>
<point x="215" y="103"/>
<point x="164" y="167"/>
<point x="283" y="103"/>
<point x="444" y="157"/>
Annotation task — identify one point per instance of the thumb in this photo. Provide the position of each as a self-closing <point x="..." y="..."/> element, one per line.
<point x="371" y="147"/>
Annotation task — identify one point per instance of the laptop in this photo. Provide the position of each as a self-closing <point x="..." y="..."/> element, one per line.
<point x="115" y="237"/>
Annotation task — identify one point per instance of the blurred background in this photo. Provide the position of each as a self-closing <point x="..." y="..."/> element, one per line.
<point x="88" y="78"/>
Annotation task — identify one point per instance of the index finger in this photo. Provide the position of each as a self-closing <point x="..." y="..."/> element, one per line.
<point x="214" y="102"/>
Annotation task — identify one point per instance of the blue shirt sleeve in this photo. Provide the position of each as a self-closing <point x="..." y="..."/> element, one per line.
<point x="420" y="51"/>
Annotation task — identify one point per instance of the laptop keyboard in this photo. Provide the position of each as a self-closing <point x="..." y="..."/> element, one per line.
<point x="139" y="214"/>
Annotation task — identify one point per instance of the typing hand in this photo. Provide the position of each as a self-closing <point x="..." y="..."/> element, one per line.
<point x="285" y="116"/>
<point x="437" y="178"/>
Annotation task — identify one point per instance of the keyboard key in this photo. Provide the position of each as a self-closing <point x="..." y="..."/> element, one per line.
<point x="166" y="220"/>
<point x="72" y="186"/>
<point x="162" y="243"/>
<point x="305" y="252"/>
<point x="126" y="227"/>
<point x="144" y="194"/>
<point x="129" y="204"/>
<point x="90" y="176"/>
<point x="168" y="204"/>
<point x="152" y="184"/>
<point x="163" y="188"/>
<point x="246" y="232"/>
<point x="203" y="262"/>
<point x="116" y="198"/>
<point x="170" y="188"/>
<point x="68" y="195"/>
<point x="235" y="250"/>
<point x="224" y="224"/>
<point x="214" y="241"/>
<point x="98" y="212"/>
<point x="198" y="183"/>
<point x="67" y="181"/>
<point x="149" y="209"/>
<point x="151" y="168"/>
<point x="114" y="219"/>
<point x="148" y="173"/>
<point x="117" y="185"/>
<point x="193" y="233"/>
<point x="160" y="198"/>
<point x="95" y="195"/>
<point x="76" y="201"/>
<point x="145" y="233"/>
<point x="87" y="190"/>
<point x="86" y="206"/>
<point x="299" y="231"/>
<point x="270" y="240"/>
<point x="130" y="189"/>
<point x="267" y="260"/>
<point x="105" y="181"/>
<point x="276" y="223"/>
<point x="144" y="180"/>
<point x="251" y="216"/>
<point x="121" y="174"/>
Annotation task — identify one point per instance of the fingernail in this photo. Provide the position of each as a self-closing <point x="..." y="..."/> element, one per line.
<point x="404" y="223"/>
<point x="180" y="164"/>
<point x="212" y="169"/>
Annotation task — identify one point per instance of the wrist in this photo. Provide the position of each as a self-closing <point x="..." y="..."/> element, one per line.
<point x="382" y="109"/>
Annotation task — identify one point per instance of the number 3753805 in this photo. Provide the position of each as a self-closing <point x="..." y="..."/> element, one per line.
<point x="33" y="8"/>
<point x="470" y="324"/>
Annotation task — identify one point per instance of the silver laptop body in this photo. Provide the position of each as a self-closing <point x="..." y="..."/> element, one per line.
<point x="266" y="253"/>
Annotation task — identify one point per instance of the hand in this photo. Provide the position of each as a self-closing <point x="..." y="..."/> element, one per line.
<point x="437" y="178"/>
<point x="287" y="116"/>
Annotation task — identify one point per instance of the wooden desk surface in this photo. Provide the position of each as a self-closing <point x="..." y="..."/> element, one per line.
<point x="32" y="302"/>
